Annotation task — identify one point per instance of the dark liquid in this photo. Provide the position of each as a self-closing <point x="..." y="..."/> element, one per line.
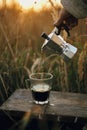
<point x="40" y="95"/>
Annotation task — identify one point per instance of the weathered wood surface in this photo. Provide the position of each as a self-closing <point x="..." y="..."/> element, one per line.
<point x="61" y="104"/>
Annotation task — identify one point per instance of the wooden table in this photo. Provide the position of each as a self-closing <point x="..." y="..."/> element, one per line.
<point x="63" y="106"/>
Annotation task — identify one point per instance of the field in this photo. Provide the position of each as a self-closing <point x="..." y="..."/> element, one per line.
<point x="20" y="51"/>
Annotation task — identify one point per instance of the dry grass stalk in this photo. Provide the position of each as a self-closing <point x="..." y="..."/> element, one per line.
<point x="2" y="96"/>
<point x="55" y="10"/>
<point x="82" y="64"/>
<point x="4" y="86"/>
<point x="66" y="86"/>
<point x="27" y="70"/>
<point x="81" y="61"/>
<point x="8" y="43"/>
<point x="27" y="59"/>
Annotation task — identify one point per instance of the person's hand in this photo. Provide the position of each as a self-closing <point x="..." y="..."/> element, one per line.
<point x="66" y="18"/>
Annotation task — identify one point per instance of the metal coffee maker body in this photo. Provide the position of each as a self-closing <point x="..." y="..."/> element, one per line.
<point x="55" y="44"/>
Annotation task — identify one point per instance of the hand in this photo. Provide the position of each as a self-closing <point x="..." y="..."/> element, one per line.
<point x="66" y="18"/>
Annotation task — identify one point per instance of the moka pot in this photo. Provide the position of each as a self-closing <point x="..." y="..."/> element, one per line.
<point x="55" y="44"/>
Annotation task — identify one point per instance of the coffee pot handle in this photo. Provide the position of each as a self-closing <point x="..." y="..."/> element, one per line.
<point x="45" y="36"/>
<point x="59" y="28"/>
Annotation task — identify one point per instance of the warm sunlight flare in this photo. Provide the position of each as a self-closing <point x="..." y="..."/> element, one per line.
<point x="36" y="4"/>
<point x="28" y="4"/>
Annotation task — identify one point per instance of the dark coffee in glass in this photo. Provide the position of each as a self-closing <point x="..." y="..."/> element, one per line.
<point x="41" y="87"/>
<point x="40" y="93"/>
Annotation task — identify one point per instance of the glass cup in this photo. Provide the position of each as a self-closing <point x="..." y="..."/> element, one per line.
<point x="40" y="85"/>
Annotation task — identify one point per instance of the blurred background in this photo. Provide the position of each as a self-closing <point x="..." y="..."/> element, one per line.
<point x="21" y="25"/>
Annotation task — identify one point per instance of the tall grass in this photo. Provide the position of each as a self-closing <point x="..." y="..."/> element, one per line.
<point x="20" y="51"/>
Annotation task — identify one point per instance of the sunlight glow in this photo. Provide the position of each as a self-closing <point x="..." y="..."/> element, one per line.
<point x="36" y="4"/>
<point x="28" y="4"/>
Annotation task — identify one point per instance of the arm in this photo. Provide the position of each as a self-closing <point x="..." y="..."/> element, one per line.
<point x="78" y="8"/>
<point x="70" y="13"/>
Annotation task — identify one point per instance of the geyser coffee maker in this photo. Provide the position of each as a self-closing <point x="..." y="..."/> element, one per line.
<point x="55" y="44"/>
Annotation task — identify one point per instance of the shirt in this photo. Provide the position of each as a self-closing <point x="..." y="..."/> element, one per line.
<point x="78" y="8"/>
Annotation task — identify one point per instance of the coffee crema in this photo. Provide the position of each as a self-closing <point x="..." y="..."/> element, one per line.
<point x="40" y="92"/>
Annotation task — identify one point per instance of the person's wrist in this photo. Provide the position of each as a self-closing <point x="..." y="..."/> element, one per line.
<point x="63" y="15"/>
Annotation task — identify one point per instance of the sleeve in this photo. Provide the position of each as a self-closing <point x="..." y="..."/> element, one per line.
<point x="78" y="8"/>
